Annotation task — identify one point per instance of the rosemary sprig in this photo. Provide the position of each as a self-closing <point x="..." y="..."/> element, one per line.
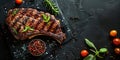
<point x="51" y="6"/>
<point x="46" y="18"/>
<point x="27" y="28"/>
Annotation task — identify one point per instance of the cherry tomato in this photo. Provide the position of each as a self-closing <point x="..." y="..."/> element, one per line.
<point x="113" y="33"/>
<point x="84" y="53"/>
<point x="117" y="51"/>
<point x="116" y="41"/>
<point x="18" y="2"/>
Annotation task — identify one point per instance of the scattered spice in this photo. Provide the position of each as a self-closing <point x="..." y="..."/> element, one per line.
<point x="37" y="47"/>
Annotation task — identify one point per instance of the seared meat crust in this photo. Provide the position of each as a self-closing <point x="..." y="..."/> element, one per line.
<point x="19" y="18"/>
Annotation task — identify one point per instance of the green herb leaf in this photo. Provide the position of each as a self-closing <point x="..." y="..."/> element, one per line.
<point x="90" y="57"/>
<point x="90" y="44"/>
<point x="14" y="30"/>
<point x="103" y="50"/>
<point x="94" y="58"/>
<point x="27" y="28"/>
<point x="46" y="18"/>
<point x="97" y="54"/>
<point x="15" y="12"/>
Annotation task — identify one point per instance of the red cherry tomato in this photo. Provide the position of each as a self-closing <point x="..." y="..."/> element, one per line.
<point x="113" y="33"/>
<point x="84" y="53"/>
<point x="116" y="41"/>
<point x="117" y="51"/>
<point x="18" y="2"/>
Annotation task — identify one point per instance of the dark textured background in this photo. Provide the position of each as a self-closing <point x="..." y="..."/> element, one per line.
<point x="92" y="19"/>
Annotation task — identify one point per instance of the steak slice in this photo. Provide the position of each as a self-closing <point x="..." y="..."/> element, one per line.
<point x="26" y="23"/>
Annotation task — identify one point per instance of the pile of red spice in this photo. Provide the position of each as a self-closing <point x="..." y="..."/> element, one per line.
<point x="37" y="47"/>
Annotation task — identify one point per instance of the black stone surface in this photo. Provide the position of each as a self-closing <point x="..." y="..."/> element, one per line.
<point x="92" y="19"/>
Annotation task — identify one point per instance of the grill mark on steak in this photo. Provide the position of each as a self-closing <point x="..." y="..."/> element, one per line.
<point x="47" y="23"/>
<point x="28" y="12"/>
<point x="19" y="15"/>
<point x="40" y="26"/>
<point x="18" y="20"/>
<point x="37" y="24"/>
<point x="10" y="16"/>
<point x="17" y="25"/>
<point x="24" y="13"/>
<point x="54" y="30"/>
<point x="52" y="18"/>
<point x="31" y="24"/>
<point x="53" y="26"/>
<point x="33" y="15"/>
<point x="29" y="21"/>
<point x="47" y="27"/>
<point x="36" y="15"/>
<point x="43" y="26"/>
<point x="16" y="16"/>
<point x="25" y="20"/>
<point x="37" y="20"/>
<point x="21" y="21"/>
<point x="21" y="28"/>
<point x="15" y="21"/>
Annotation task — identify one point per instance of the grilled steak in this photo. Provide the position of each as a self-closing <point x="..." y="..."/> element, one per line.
<point x="26" y="23"/>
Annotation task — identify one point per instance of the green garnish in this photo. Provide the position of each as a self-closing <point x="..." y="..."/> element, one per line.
<point x="90" y="44"/>
<point x="51" y="6"/>
<point x="15" y="12"/>
<point x="14" y="30"/>
<point x="46" y="18"/>
<point x="103" y="50"/>
<point x="27" y="28"/>
<point x="90" y="57"/>
<point x="94" y="50"/>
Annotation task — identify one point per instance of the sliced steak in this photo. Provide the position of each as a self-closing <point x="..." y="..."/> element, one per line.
<point x="26" y="23"/>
